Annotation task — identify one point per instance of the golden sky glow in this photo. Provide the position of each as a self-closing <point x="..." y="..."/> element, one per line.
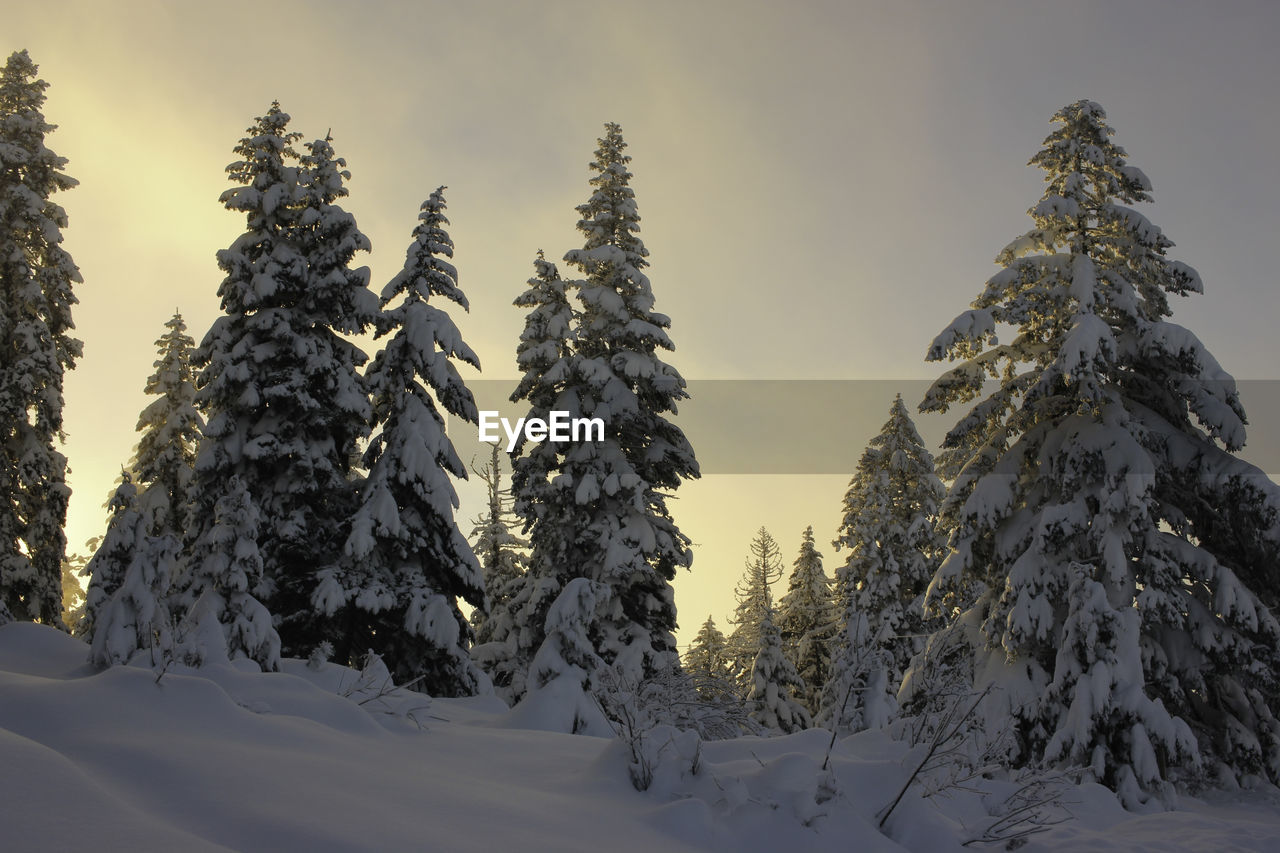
<point x="822" y="185"/>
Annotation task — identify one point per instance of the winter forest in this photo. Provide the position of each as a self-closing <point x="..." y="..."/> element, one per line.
<point x="1058" y="621"/>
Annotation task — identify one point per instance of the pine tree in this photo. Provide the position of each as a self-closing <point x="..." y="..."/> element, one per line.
<point x="277" y="380"/>
<point x="500" y="551"/>
<point x="755" y="601"/>
<point x="775" y="684"/>
<point x="164" y="461"/>
<point x="226" y="619"/>
<point x="889" y="528"/>
<point x="627" y="384"/>
<point x="807" y="621"/>
<point x="73" y="595"/>
<point x="707" y="662"/>
<point x="112" y="554"/>
<point x="516" y="628"/>
<point x="408" y="564"/>
<point x="127" y="604"/>
<point x="602" y="514"/>
<point x="1091" y="490"/>
<point x="128" y="607"/>
<point x="36" y="278"/>
<point x="564" y="672"/>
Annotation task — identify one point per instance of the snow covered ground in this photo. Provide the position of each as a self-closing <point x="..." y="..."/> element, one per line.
<point x="232" y="759"/>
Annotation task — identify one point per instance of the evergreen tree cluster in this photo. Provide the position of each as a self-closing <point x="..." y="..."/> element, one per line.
<point x="1088" y="559"/>
<point x="1096" y="577"/>
<point x="604" y="547"/>
<point x="285" y="501"/>
<point x="833" y="652"/>
<point x="281" y="501"/>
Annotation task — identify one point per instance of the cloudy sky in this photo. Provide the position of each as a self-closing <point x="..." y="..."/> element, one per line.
<point x="823" y="185"/>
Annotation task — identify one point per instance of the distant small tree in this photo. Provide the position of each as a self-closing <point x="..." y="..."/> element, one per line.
<point x="73" y="594"/>
<point x="889" y="529"/>
<point x="112" y="554"/>
<point x="129" y="586"/>
<point x="164" y="461"/>
<point x="707" y="662"/>
<point x="501" y="551"/>
<point x="755" y="601"/>
<point x="225" y="585"/>
<point x="807" y="621"/>
<point x="775" y="684"/>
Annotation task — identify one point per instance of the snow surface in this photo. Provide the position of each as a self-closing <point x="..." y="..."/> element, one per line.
<point x="229" y="758"/>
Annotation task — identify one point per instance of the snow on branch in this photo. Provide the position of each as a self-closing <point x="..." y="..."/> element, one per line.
<point x="975" y="325"/>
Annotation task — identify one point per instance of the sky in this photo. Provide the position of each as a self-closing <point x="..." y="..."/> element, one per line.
<point x="823" y="186"/>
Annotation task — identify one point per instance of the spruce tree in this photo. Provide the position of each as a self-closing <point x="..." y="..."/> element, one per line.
<point x="164" y="461"/>
<point x="500" y="551"/>
<point x="707" y="662"/>
<point x="277" y="379"/>
<point x="807" y="621"/>
<point x="544" y="355"/>
<point x="132" y="591"/>
<point x="1092" y="495"/>
<point x="889" y="528"/>
<point x="755" y="600"/>
<point x="604" y="514"/>
<point x="127" y="608"/>
<point x="407" y="563"/>
<point x="36" y="278"/>
<point x="73" y="594"/>
<point x="775" y="684"/>
<point x="112" y="553"/>
<point x="226" y="619"/>
<point x="627" y="384"/>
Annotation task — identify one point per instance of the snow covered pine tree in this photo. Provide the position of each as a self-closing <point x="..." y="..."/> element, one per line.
<point x="277" y="381"/>
<point x="501" y="551"/>
<point x="516" y="624"/>
<point x="807" y="621"/>
<point x="163" y="463"/>
<point x="707" y="663"/>
<point x="754" y="601"/>
<point x="73" y="595"/>
<point x="113" y="554"/>
<point x="1096" y="500"/>
<point x="775" y="684"/>
<point x="597" y="511"/>
<point x="889" y="527"/>
<point x="226" y="620"/>
<point x="407" y="564"/>
<point x="127" y="608"/>
<point x="36" y="275"/>
<point x="149" y="517"/>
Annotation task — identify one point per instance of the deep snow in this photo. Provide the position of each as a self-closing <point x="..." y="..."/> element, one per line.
<point x="228" y="758"/>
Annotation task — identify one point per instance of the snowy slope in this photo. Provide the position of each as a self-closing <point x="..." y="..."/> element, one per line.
<point x="228" y="759"/>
